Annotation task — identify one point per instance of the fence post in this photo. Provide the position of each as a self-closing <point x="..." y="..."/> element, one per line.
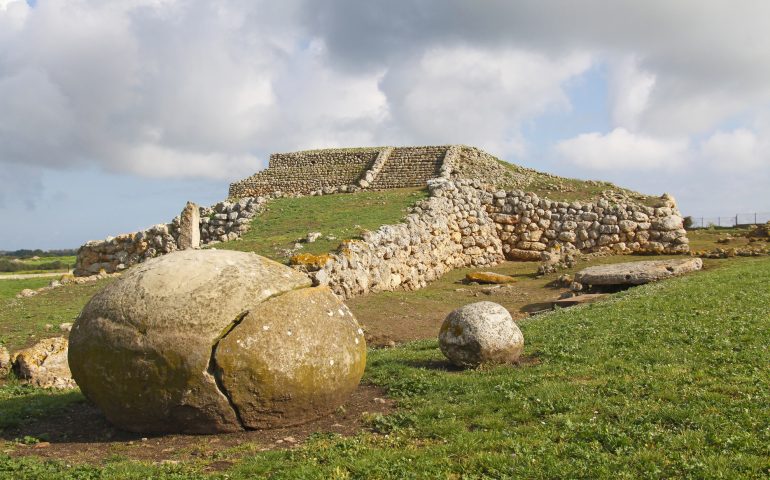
<point x="755" y="218"/>
<point x="736" y="219"/>
<point x="702" y="223"/>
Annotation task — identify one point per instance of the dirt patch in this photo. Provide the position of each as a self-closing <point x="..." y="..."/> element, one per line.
<point x="81" y="434"/>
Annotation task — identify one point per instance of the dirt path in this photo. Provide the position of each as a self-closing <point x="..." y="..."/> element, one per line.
<point x="32" y="275"/>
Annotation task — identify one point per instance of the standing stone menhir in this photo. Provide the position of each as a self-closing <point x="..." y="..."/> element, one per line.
<point x="189" y="227"/>
<point x="204" y="341"/>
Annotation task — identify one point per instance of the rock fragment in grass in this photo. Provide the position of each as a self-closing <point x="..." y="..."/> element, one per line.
<point x="480" y="333"/>
<point x="45" y="364"/>
<point x="5" y="362"/>
<point x="489" y="277"/>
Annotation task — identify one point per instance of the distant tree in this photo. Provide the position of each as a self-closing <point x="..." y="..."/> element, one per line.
<point x="688" y="222"/>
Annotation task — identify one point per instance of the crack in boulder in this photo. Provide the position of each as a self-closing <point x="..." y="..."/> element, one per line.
<point x="216" y="372"/>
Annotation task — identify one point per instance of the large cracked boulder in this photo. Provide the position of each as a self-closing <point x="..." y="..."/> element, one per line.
<point x="637" y="273"/>
<point x="215" y="341"/>
<point x="479" y="333"/>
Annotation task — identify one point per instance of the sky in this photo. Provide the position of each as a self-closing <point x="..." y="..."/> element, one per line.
<point x="114" y="114"/>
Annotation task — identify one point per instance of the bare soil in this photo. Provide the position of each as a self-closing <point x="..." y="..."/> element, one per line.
<point x="81" y="434"/>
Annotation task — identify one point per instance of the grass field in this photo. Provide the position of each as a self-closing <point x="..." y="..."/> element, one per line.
<point x="23" y="320"/>
<point x="668" y="380"/>
<point x="60" y="263"/>
<point x="338" y="217"/>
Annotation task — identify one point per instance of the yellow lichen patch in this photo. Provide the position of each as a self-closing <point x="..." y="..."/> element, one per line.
<point x="489" y="277"/>
<point x="309" y="260"/>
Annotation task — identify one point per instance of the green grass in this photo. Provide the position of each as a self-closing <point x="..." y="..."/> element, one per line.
<point x="43" y="264"/>
<point x="668" y="380"/>
<point x="10" y="288"/>
<point x="287" y="220"/>
<point x="23" y="320"/>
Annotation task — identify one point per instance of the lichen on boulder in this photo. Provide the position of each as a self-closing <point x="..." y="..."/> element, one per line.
<point x="196" y="341"/>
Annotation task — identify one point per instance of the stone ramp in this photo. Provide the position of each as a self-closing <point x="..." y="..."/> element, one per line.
<point x="410" y="167"/>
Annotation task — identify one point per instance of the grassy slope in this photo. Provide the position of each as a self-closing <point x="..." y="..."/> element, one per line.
<point x="23" y="320"/>
<point x="665" y="380"/>
<point x="570" y="189"/>
<point x="287" y="220"/>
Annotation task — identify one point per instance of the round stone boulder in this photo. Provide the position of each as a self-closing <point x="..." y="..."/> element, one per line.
<point x="479" y="333"/>
<point x="206" y="341"/>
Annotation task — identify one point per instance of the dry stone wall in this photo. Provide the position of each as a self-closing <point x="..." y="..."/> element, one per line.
<point x="451" y="229"/>
<point x="221" y="222"/>
<point x="528" y="225"/>
<point x="468" y="223"/>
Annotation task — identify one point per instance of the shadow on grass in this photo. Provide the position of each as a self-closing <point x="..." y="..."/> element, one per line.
<point x="535" y="308"/>
<point x="445" y="366"/>
<point x="55" y="417"/>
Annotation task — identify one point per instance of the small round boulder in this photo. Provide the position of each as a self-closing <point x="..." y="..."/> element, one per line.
<point x="206" y="341"/>
<point x="479" y="333"/>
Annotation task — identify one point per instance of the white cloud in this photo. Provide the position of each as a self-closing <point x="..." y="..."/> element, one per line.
<point x="629" y="92"/>
<point x="736" y="150"/>
<point x="621" y="149"/>
<point x="474" y="96"/>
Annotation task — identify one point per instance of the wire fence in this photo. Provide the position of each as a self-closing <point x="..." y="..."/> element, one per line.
<point x="737" y="220"/>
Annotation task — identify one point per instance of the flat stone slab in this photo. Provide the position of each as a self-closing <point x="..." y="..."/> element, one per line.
<point x="578" y="300"/>
<point x="637" y="273"/>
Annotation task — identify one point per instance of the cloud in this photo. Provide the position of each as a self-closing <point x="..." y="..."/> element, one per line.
<point x="169" y="88"/>
<point x="736" y="150"/>
<point x="621" y="149"/>
<point x="475" y="96"/>
<point x="629" y="91"/>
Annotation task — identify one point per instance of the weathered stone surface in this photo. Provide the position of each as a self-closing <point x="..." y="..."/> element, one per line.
<point x="265" y="363"/>
<point x="478" y="333"/>
<point x="144" y="349"/>
<point x="489" y="277"/>
<point x="189" y="227"/>
<point x="45" y="364"/>
<point x="636" y="273"/>
<point x="5" y="361"/>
